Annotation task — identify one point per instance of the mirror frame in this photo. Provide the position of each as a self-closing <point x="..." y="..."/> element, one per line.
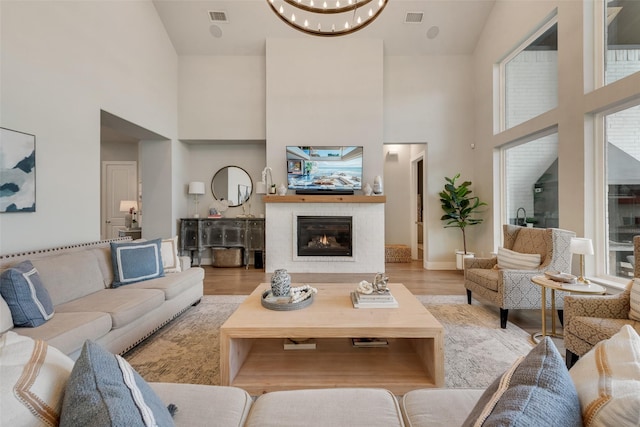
<point x="227" y="167"/>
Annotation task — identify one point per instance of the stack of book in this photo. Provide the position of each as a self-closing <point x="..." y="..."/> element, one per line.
<point x="369" y="342"/>
<point x="373" y="300"/>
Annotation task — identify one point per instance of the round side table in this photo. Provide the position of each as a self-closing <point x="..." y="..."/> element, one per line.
<point x="575" y="288"/>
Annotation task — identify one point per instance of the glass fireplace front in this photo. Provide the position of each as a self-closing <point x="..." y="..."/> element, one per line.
<point x="324" y="236"/>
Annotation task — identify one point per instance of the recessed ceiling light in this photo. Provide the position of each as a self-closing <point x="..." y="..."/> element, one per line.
<point x="433" y="32"/>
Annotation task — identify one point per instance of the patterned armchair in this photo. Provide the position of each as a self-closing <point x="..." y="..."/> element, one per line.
<point x="591" y="319"/>
<point x="513" y="289"/>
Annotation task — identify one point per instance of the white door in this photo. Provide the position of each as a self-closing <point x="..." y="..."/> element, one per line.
<point x="119" y="182"/>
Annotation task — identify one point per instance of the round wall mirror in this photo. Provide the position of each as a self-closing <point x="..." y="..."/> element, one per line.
<point x="232" y="183"/>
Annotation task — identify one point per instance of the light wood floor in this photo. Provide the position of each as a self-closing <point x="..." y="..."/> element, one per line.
<point x="241" y="281"/>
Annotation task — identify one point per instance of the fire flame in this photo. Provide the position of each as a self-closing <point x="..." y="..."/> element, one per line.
<point x="324" y="240"/>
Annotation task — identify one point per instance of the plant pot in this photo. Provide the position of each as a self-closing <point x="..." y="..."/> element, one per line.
<point x="460" y="256"/>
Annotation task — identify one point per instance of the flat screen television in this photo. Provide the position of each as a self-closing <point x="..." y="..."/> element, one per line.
<point x="324" y="168"/>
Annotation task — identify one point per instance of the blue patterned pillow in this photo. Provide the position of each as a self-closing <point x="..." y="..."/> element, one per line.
<point x="26" y="296"/>
<point x="535" y="391"/>
<point x="104" y="390"/>
<point x="136" y="261"/>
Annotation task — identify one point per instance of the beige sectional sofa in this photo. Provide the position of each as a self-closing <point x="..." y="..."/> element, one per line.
<point x="78" y="279"/>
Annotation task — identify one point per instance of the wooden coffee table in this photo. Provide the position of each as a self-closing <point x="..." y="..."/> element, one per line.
<point x="252" y="355"/>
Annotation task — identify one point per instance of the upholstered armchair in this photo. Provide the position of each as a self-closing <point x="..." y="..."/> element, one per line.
<point x="590" y="319"/>
<point x="513" y="289"/>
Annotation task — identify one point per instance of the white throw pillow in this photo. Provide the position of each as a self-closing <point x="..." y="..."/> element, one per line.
<point x="517" y="261"/>
<point x="607" y="379"/>
<point x="634" y="311"/>
<point x="170" y="260"/>
<point x="33" y="378"/>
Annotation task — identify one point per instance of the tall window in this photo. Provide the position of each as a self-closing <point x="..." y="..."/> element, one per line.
<point x="622" y="39"/>
<point x="531" y="179"/>
<point x="622" y="136"/>
<point x="529" y="77"/>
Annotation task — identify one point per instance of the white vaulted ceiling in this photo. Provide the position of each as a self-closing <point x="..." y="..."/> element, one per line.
<point x="456" y="25"/>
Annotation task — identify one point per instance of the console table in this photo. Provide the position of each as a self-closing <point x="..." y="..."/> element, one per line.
<point x="198" y="234"/>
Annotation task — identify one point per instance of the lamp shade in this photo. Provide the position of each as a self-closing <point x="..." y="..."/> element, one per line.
<point x="261" y="187"/>
<point x="196" y="187"/>
<point x="127" y="205"/>
<point x="581" y="246"/>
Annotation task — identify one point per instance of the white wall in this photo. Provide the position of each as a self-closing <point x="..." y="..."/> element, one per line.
<point x="61" y="63"/>
<point x="429" y="99"/>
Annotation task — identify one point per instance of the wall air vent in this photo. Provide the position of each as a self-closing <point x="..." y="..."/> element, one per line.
<point x="413" y="18"/>
<point x="218" y="16"/>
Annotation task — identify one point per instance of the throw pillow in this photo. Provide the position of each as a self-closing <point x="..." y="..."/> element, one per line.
<point x="170" y="260"/>
<point x="136" y="261"/>
<point x="104" y="390"/>
<point x="517" y="261"/>
<point x="34" y="376"/>
<point x="26" y="296"/>
<point x="536" y="391"/>
<point x="608" y="381"/>
<point x="634" y="311"/>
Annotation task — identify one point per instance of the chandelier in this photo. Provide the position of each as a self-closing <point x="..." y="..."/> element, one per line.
<point x="327" y="17"/>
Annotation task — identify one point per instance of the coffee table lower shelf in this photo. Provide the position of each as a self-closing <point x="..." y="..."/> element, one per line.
<point x="262" y="365"/>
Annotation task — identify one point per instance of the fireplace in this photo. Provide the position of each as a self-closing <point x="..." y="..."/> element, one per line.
<point x="324" y="236"/>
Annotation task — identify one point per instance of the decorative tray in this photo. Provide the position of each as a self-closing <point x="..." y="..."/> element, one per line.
<point x="560" y="277"/>
<point x="282" y="303"/>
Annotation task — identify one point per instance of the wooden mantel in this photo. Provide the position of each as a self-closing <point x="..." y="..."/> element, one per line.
<point x="324" y="199"/>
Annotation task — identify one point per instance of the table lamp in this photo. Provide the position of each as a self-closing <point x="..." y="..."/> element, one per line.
<point x="129" y="206"/>
<point x="582" y="247"/>
<point x="196" y="188"/>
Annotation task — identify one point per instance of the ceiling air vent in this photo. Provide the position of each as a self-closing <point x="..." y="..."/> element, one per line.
<point x="413" y="17"/>
<point x="218" y="16"/>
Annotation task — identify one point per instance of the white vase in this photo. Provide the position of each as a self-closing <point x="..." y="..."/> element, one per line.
<point x="377" y="185"/>
<point x="282" y="190"/>
<point x="367" y="189"/>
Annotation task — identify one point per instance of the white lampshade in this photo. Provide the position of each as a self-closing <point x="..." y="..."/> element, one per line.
<point x="581" y="246"/>
<point x="196" y="187"/>
<point x="127" y="205"/>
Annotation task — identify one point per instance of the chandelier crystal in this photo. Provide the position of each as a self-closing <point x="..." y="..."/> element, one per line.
<point x="327" y="18"/>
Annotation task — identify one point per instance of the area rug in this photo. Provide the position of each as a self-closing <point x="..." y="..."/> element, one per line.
<point x="476" y="349"/>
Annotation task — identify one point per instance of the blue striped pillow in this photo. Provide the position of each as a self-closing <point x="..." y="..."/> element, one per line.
<point x="26" y="296"/>
<point x="136" y="261"/>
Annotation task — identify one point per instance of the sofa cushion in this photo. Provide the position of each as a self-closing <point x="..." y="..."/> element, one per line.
<point x="197" y="404"/>
<point x="608" y="381"/>
<point x="173" y="284"/>
<point x="34" y="375"/>
<point x="513" y="260"/>
<point x="136" y="261"/>
<point x="170" y="259"/>
<point x="326" y="407"/>
<point x="124" y="305"/>
<point x="78" y="268"/>
<point x="68" y="331"/>
<point x="438" y="407"/>
<point x="487" y="277"/>
<point x="536" y="390"/>
<point x="104" y="390"/>
<point x="26" y="296"/>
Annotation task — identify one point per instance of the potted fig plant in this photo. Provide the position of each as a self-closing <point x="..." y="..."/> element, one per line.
<point x="460" y="209"/>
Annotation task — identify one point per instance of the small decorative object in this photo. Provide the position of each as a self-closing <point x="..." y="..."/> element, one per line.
<point x="272" y="189"/>
<point x="365" y="288"/>
<point x="380" y="283"/>
<point x="301" y="293"/>
<point x="377" y="185"/>
<point x="367" y="189"/>
<point x="282" y="190"/>
<point x="219" y="207"/>
<point x="280" y="283"/>
<point x="130" y="206"/>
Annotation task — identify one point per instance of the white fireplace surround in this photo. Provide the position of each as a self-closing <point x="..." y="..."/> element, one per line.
<point x="367" y="238"/>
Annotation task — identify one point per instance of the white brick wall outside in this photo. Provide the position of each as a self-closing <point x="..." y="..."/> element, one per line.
<point x="368" y="238"/>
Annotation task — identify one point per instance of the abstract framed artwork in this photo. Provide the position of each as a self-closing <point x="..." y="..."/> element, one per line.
<point x="17" y="171"/>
